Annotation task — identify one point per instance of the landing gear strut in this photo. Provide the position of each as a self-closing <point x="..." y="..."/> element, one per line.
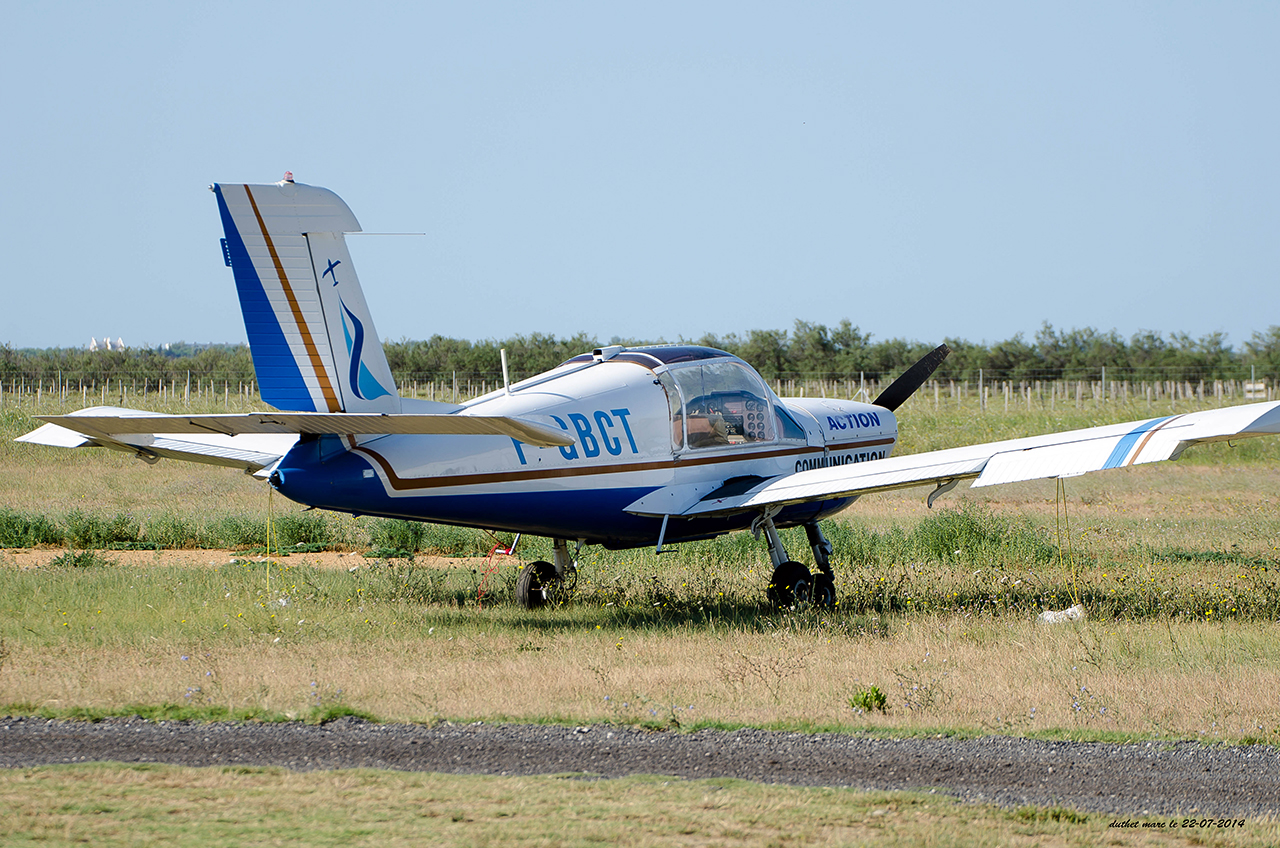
<point x="824" y="583"/>
<point x="542" y="583"/>
<point x="791" y="583"/>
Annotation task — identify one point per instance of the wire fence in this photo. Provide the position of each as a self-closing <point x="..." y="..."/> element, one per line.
<point x="988" y="390"/>
<point x="1044" y="392"/>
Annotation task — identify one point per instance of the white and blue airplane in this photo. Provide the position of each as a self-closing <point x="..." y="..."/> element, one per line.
<point x="621" y="447"/>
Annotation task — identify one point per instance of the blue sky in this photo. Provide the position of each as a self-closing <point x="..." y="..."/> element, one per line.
<point x="926" y="170"/>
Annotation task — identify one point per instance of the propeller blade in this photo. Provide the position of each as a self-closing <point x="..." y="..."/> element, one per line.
<point x="913" y="378"/>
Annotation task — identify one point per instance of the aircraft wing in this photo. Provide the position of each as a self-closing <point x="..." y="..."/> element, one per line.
<point x="1067" y="454"/>
<point x="96" y="425"/>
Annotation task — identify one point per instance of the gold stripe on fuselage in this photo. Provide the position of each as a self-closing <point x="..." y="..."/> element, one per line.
<point x="401" y="484"/>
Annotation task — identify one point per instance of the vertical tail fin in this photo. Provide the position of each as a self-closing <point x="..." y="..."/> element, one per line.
<point x="313" y="342"/>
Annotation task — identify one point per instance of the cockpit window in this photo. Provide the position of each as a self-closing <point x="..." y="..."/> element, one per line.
<point x="674" y="405"/>
<point x="787" y="425"/>
<point x="724" y="403"/>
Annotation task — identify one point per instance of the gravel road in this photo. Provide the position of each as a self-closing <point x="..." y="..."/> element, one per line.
<point x="1147" y="778"/>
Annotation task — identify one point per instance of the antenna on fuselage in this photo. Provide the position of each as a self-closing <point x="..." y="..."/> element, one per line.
<point x="506" y="379"/>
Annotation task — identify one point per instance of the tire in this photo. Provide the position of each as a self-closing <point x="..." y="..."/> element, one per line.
<point x="824" y="592"/>
<point x="791" y="585"/>
<point x="536" y="584"/>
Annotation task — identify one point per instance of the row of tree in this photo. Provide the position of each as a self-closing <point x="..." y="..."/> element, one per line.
<point x="808" y="351"/>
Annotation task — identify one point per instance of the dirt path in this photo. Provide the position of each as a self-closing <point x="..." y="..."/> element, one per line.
<point x="37" y="557"/>
<point x="1141" y="779"/>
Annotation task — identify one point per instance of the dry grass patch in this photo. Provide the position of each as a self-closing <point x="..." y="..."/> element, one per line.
<point x="1190" y="680"/>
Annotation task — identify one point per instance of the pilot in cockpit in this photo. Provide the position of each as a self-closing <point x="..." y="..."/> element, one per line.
<point x="707" y="428"/>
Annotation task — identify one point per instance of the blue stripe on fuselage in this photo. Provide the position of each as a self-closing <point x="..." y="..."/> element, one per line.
<point x="596" y="514"/>
<point x="1126" y="443"/>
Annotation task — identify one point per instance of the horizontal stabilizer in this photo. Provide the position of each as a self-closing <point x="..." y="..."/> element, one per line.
<point x="250" y="453"/>
<point x="311" y="423"/>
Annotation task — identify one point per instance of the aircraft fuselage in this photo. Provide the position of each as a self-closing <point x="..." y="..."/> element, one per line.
<point x="642" y="421"/>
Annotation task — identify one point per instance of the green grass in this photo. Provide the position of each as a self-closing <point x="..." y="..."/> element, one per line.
<point x="153" y="805"/>
<point x="961" y="561"/>
<point x="289" y="531"/>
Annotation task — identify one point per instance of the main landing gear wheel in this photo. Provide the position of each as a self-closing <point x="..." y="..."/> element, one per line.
<point x="790" y="585"/>
<point x="536" y="584"/>
<point x="824" y="592"/>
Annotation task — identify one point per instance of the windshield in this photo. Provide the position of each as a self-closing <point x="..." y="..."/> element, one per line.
<point x="724" y="403"/>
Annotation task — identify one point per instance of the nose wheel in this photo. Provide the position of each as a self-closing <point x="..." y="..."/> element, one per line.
<point x="824" y="592"/>
<point x="792" y="584"/>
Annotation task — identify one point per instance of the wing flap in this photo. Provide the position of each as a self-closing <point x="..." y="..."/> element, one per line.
<point x="1069" y="460"/>
<point x="672" y="500"/>
<point x="828" y="483"/>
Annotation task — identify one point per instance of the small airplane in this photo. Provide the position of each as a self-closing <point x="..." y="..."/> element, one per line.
<point x="620" y="446"/>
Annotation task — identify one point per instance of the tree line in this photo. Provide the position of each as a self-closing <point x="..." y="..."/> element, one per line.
<point x="808" y="351"/>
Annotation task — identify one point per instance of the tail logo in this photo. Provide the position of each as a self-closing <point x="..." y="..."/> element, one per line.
<point x="364" y="384"/>
<point x="329" y="271"/>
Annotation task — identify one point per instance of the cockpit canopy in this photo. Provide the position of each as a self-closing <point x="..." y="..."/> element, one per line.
<point x="716" y="402"/>
<point x="715" y="398"/>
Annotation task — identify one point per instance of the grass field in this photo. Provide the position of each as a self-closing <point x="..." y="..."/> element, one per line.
<point x="220" y="642"/>
<point x="163" y="805"/>
<point x="1178" y="566"/>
